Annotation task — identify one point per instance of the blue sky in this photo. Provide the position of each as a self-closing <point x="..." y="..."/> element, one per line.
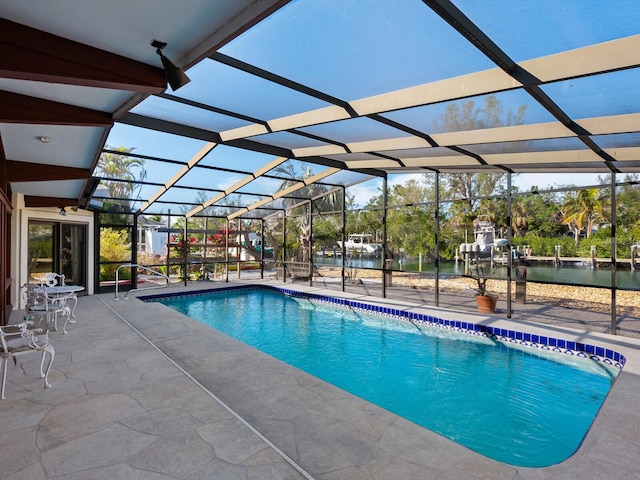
<point x="352" y="49"/>
<point x="182" y="148"/>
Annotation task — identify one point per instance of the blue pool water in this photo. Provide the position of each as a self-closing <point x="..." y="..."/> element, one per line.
<point x="516" y="405"/>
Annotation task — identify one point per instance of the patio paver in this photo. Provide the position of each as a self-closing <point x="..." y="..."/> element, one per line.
<point x="121" y="408"/>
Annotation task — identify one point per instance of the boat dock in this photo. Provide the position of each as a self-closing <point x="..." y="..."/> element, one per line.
<point x="623" y="262"/>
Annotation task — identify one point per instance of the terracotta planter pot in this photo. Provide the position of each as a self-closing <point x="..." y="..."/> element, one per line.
<point x="486" y="303"/>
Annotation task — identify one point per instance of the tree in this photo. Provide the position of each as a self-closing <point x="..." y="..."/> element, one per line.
<point x="326" y="201"/>
<point x="465" y="116"/>
<point x="628" y="200"/>
<point x="292" y="176"/>
<point x="537" y="213"/>
<point x="327" y="229"/>
<point x="582" y="210"/>
<point x="121" y="173"/>
<point x="115" y="246"/>
<point x="370" y="218"/>
<point x="411" y="226"/>
<point x="467" y="188"/>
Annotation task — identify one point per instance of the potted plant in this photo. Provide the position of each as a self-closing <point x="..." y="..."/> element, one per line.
<point x="485" y="301"/>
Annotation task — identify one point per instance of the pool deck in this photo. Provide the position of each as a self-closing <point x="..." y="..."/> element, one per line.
<point x="142" y="392"/>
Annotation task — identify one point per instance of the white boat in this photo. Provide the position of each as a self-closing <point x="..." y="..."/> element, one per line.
<point x="485" y="243"/>
<point x="361" y="244"/>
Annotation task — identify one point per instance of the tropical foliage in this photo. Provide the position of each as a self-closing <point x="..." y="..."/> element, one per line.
<point x="574" y="219"/>
<point x="115" y="249"/>
<point x="582" y="209"/>
<point x="121" y="171"/>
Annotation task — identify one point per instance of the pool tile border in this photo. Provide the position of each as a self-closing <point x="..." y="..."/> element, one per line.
<point x="541" y="342"/>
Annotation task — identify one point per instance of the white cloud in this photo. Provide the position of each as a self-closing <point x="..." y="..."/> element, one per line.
<point x="525" y="181"/>
<point x="363" y="192"/>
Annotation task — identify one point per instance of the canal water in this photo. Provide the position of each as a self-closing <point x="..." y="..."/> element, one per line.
<point x="570" y="274"/>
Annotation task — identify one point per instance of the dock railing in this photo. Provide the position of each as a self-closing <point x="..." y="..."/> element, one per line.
<point x="132" y="265"/>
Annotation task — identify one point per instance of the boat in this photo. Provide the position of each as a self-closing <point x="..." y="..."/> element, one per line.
<point x="361" y="244"/>
<point x="485" y="243"/>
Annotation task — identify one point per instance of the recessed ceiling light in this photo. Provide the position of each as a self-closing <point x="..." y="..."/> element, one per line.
<point x="44" y="139"/>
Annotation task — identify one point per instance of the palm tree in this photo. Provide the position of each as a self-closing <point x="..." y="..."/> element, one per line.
<point x="520" y="216"/>
<point x="582" y="211"/>
<point x="314" y="190"/>
<point x="121" y="173"/>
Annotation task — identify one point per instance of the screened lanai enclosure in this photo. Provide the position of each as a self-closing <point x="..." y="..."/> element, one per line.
<point x="552" y="246"/>
<point x="375" y="146"/>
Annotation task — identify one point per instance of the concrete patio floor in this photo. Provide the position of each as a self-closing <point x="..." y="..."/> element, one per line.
<point x="142" y="392"/>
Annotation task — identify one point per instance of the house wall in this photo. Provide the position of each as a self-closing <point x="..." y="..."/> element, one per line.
<point x="5" y="251"/>
<point x="20" y="237"/>
<point x="155" y="242"/>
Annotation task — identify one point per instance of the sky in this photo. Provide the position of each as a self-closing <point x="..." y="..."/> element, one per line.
<point x="363" y="192"/>
<point x="358" y="41"/>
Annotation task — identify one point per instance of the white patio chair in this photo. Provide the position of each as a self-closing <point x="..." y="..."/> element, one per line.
<point x="20" y="339"/>
<point x="53" y="279"/>
<point x="43" y="307"/>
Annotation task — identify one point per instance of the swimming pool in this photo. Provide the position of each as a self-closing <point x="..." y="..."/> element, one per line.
<point x="488" y="389"/>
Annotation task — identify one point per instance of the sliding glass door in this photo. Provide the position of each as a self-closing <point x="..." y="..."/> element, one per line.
<point x="58" y="247"/>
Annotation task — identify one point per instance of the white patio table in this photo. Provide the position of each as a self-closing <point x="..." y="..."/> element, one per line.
<point x="62" y="293"/>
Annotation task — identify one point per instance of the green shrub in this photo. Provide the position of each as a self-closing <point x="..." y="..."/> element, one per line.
<point x="115" y="246"/>
<point x="546" y="247"/>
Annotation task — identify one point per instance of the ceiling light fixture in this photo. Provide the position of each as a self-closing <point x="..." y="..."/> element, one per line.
<point x="175" y="76"/>
<point x="44" y="139"/>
